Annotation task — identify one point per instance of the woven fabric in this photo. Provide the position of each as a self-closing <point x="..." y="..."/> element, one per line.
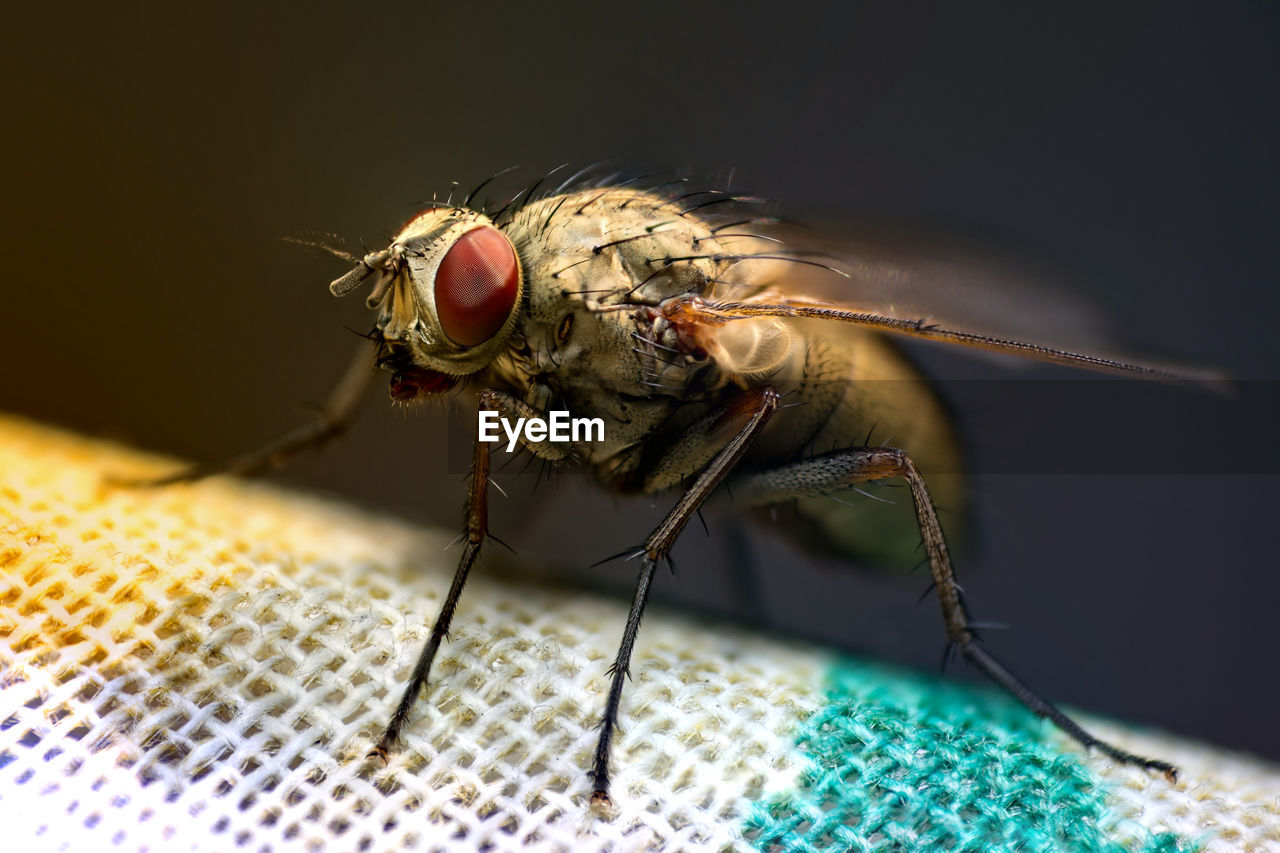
<point x="938" y="768"/>
<point x="204" y="667"/>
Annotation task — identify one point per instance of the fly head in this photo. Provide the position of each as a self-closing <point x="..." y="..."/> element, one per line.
<point x="447" y="292"/>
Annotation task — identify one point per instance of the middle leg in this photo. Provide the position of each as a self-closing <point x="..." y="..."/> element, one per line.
<point x="744" y="416"/>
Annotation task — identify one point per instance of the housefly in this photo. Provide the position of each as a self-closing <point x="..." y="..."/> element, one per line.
<point x="692" y="330"/>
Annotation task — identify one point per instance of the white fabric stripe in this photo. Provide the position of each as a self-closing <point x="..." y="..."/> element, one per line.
<point x="241" y="648"/>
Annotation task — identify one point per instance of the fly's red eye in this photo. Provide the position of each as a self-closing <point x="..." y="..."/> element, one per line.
<point x="476" y="286"/>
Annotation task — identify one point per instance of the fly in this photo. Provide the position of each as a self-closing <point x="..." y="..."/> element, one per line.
<point x="694" y="338"/>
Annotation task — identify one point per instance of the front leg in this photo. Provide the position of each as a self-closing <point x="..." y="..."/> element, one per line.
<point x="747" y="415"/>
<point x="822" y="475"/>
<point x="333" y="420"/>
<point x="513" y="408"/>
<point x="475" y="530"/>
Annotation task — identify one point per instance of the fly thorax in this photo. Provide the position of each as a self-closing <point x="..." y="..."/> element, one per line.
<point x="617" y="247"/>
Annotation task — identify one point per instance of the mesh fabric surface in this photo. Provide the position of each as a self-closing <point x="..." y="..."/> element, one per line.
<point x="205" y="667"/>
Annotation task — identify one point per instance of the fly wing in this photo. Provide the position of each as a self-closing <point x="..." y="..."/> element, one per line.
<point x="930" y="283"/>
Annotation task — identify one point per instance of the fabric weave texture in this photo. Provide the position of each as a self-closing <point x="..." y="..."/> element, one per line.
<point x="205" y="667"/>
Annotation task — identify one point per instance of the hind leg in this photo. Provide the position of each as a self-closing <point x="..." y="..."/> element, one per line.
<point x="820" y="475"/>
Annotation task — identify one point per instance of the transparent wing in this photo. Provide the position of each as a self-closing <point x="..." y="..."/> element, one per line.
<point x="913" y="274"/>
<point x="911" y="284"/>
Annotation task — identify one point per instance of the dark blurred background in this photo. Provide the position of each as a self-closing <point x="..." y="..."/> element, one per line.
<point x="153" y="160"/>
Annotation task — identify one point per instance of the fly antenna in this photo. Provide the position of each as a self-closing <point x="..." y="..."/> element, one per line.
<point x="322" y="246"/>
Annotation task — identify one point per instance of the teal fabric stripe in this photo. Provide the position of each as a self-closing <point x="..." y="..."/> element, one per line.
<point x="902" y="762"/>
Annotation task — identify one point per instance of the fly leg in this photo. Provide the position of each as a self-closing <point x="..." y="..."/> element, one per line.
<point x="334" y="419"/>
<point x="824" y="474"/>
<point x="747" y="414"/>
<point x="512" y="408"/>
<point x="475" y="530"/>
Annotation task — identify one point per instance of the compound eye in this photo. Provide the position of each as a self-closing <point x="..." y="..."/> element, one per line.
<point x="476" y="286"/>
